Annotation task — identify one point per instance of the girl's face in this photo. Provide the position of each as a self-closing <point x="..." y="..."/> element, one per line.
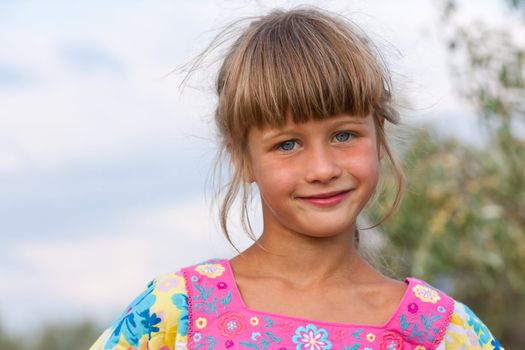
<point x="315" y="178"/>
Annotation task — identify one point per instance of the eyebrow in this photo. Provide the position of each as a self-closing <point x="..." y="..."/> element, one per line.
<point x="290" y="131"/>
<point x="275" y="134"/>
<point x="353" y="120"/>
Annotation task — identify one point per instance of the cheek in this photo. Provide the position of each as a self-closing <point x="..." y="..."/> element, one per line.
<point x="273" y="175"/>
<point x="363" y="163"/>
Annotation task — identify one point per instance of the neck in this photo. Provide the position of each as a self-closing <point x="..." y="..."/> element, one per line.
<point x="303" y="260"/>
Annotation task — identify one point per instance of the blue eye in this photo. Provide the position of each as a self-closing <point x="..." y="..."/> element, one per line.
<point x="343" y="136"/>
<point x="287" y="145"/>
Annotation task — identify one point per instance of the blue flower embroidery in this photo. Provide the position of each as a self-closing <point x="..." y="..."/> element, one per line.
<point x="136" y="321"/>
<point x="311" y="338"/>
<point x="495" y="343"/>
<point x="479" y="328"/>
<point x="181" y="302"/>
<point x="197" y="337"/>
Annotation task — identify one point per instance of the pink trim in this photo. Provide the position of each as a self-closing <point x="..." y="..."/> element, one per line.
<point x="443" y="329"/>
<point x="237" y="295"/>
<point x="189" y="290"/>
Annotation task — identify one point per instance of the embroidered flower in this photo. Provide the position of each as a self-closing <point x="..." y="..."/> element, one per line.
<point x="311" y="338"/>
<point x="419" y="347"/>
<point x="391" y="341"/>
<point x="441" y="309"/>
<point x="426" y="294"/>
<point x="168" y="284"/>
<point x="210" y="270"/>
<point x="229" y="343"/>
<point x="370" y="337"/>
<point x="231" y="324"/>
<point x="222" y="285"/>
<point x="201" y="322"/>
<point x="412" y="308"/>
<point x="254" y="321"/>
<point x="197" y="337"/>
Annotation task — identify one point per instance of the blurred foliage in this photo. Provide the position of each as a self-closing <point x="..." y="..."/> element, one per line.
<point x="65" y="336"/>
<point x="462" y="222"/>
<point x="10" y="342"/>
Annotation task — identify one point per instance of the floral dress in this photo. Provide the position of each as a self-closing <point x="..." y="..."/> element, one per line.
<point x="200" y="307"/>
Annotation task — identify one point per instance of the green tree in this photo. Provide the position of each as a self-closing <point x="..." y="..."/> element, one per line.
<point x="462" y="223"/>
<point x="9" y="342"/>
<point x="68" y="336"/>
<point x="60" y="336"/>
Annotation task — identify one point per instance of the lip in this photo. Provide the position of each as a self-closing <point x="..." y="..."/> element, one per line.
<point x="328" y="199"/>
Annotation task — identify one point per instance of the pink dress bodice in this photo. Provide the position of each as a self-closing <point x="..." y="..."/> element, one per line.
<point x="219" y="319"/>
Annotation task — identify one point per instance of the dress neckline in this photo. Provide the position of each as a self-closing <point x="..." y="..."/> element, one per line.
<point x="410" y="281"/>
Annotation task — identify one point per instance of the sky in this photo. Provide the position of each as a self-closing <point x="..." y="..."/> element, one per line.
<point x="104" y="159"/>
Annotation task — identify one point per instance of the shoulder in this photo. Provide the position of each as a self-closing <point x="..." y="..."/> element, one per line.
<point x="157" y="318"/>
<point x="423" y="314"/>
<point x="461" y="328"/>
<point x="467" y="331"/>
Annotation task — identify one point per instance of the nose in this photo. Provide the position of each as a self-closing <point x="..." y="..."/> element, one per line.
<point x="321" y="165"/>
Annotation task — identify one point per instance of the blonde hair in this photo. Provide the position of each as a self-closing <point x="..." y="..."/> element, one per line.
<point x="307" y="63"/>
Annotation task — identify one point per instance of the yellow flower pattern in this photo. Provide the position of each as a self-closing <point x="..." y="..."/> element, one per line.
<point x="210" y="270"/>
<point x="201" y="323"/>
<point x="426" y="294"/>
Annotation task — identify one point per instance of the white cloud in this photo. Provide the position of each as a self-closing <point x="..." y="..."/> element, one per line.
<point x="99" y="273"/>
<point x="68" y="114"/>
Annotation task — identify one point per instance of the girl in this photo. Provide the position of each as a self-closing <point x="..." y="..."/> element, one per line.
<point x="302" y="105"/>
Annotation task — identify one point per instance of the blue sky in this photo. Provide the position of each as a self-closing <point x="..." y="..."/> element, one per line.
<point x="103" y="160"/>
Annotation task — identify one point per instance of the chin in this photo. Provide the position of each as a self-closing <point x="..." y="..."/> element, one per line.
<point x="327" y="232"/>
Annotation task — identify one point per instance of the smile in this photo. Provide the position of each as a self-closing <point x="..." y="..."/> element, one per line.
<point x="326" y="200"/>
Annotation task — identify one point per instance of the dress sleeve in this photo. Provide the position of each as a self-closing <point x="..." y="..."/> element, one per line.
<point x="156" y="319"/>
<point x="466" y="331"/>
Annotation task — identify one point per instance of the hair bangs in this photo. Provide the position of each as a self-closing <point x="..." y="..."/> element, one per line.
<point x="299" y="65"/>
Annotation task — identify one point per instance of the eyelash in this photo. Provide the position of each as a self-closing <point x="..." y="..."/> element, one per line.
<point x="349" y="133"/>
